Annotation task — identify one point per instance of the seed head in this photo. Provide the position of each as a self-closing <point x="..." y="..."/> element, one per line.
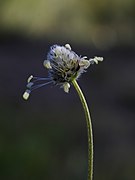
<point x="63" y="65"/>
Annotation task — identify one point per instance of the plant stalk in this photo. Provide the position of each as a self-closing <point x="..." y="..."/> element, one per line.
<point x="89" y="129"/>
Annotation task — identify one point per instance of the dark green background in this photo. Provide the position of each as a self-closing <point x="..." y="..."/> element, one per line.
<point x="46" y="136"/>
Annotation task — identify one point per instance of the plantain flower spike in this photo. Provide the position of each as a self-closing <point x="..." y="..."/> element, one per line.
<point x="63" y="65"/>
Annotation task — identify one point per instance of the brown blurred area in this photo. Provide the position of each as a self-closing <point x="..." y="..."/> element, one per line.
<point x="46" y="136"/>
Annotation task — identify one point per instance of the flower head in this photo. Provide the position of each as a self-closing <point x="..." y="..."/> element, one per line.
<point x="63" y="65"/>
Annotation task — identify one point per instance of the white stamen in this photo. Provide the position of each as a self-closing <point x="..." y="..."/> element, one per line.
<point x="47" y="64"/>
<point x="96" y="59"/>
<point x="84" y="57"/>
<point x="99" y="58"/>
<point x="30" y="78"/>
<point x="26" y="94"/>
<point x="68" y="46"/>
<point x="66" y="87"/>
<point x="84" y="63"/>
<point x="58" y="51"/>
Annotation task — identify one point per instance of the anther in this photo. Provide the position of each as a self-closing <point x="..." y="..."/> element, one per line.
<point x="68" y="46"/>
<point x="30" y="78"/>
<point x="26" y="94"/>
<point x="47" y="64"/>
<point x="96" y="59"/>
<point x="66" y="87"/>
<point x="84" y="63"/>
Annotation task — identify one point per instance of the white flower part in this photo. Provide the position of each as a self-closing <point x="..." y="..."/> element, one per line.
<point x="63" y="51"/>
<point x="71" y="56"/>
<point x="68" y="46"/>
<point x="47" y="64"/>
<point x="84" y="63"/>
<point x="26" y="94"/>
<point x="84" y="57"/>
<point x="58" y="51"/>
<point x="96" y="59"/>
<point x="30" y="78"/>
<point x="66" y="87"/>
<point x="99" y="58"/>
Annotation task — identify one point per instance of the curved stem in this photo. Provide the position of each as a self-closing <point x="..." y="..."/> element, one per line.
<point x="89" y="129"/>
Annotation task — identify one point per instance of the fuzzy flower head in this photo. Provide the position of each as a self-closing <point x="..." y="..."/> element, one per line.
<point x="63" y="65"/>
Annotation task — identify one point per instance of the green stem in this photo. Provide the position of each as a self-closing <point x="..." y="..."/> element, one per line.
<point x="89" y="129"/>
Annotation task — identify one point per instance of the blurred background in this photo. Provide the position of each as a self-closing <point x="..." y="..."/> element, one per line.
<point x="46" y="136"/>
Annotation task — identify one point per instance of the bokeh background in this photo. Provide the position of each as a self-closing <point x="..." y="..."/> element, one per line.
<point x="46" y="136"/>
